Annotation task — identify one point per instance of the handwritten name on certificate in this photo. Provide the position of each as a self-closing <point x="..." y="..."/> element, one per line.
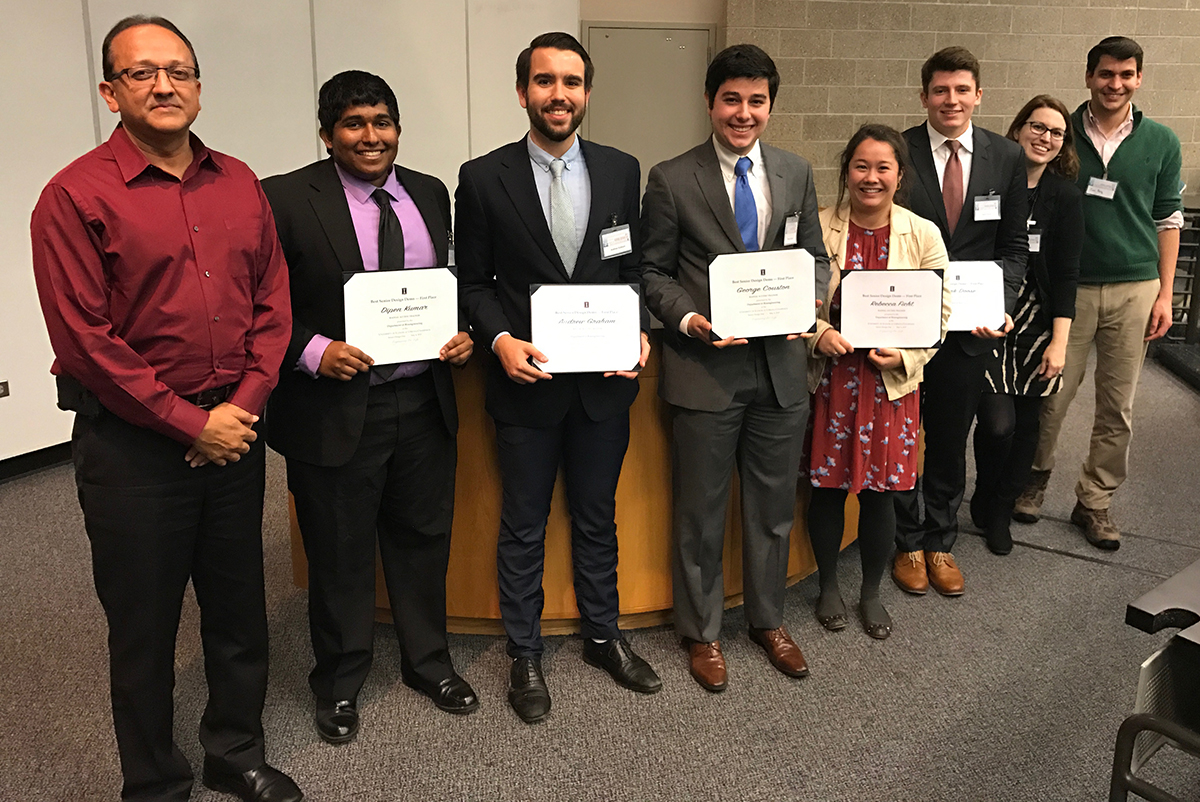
<point x="401" y="315"/>
<point x="976" y="295"/>
<point x="762" y="293"/>
<point x="586" y="328"/>
<point x="892" y="308"/>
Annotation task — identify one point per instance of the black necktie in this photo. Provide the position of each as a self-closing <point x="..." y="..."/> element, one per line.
<point x="391" y="233"/>
<point x="391" y="257"/>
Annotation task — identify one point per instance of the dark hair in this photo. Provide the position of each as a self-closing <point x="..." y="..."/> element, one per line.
<point x="135" y="21"/>
<point x="949" y="59"/>
<point x="353" y="88"/>
<point x="1066" y="163"/>
<point x="880" y="133"/>
<point x="558" y="41"/>
<point x="1121" y="48"/>
<point x="740" y="61"/>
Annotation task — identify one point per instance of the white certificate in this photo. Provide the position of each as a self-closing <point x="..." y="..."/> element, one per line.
<point x="892" y="308"/>
<point x="976" y="295"/>
<point x="762" y="293"/>
<point x="401" y="315"/>
<point x="586" y="328"/>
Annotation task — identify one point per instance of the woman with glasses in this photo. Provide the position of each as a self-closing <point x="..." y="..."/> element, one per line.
<point x="1029" y="364"/>
<point x="865" y="412"/>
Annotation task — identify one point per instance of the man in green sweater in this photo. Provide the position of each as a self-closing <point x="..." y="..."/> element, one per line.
<point x="1129" y="172"/>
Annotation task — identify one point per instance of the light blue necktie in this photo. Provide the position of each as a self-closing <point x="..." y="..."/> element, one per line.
<point x="745" y="211"/>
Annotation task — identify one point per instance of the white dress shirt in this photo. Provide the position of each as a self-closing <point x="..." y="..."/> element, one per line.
<point x="941" y="154"/>
<point x="759" y="187"/>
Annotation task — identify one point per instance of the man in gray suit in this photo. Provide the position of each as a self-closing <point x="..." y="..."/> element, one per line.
<point x="733" y="400"/>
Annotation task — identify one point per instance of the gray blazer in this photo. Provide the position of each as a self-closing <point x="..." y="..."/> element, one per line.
<point x="686" y="218"/>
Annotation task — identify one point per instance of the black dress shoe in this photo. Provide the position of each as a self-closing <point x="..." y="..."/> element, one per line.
<point x="527" y="691"/>
<point x="623" y="665"/>
<point x="337" y="722"/>
<point x="452" y="694"/>
<point x="263" y="784"/>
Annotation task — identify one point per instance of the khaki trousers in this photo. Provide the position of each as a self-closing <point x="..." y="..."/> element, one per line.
<point x="1113" y="317"/>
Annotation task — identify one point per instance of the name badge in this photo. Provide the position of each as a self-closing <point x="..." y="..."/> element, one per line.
<point x="1035" y="241"/>
<point x="791" y="228"/>
<point x="987" y="207"/>
<point x="1101" y="188"/>
<point x="615" y="241"/>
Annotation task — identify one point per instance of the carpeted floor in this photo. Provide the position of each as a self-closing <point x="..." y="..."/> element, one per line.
<point x="1012" y="692"/>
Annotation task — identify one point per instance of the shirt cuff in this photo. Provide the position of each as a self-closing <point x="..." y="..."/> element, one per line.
<point x="1175" y="220"/>
<point x="497" y="337"/>
<point x="310" y="358"/>
<point x="683" y="324"/>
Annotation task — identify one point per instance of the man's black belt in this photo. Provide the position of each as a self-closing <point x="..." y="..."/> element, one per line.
<point x="207" y="399"/>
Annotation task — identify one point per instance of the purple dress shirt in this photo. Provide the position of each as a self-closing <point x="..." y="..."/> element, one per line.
<point x="418" y="252"/>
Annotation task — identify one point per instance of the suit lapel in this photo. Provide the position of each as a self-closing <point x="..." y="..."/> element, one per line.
<point x="981" y="170"/>
<point x="516" y="175"/>
<point x="329" y="203"/>
<point x="712" y="186"/>
<point x="605" y="201"/>
<point x="427" y="205"/>
<point x="780" y="203"/>
<point x="922" y="161"/>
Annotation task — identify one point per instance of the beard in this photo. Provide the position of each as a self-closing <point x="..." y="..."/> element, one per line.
<point x="537" y="119"/>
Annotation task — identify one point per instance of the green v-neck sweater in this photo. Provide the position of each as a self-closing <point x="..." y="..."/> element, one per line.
<point x="1121" y="240"/>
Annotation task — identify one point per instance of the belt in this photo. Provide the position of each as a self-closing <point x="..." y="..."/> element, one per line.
<point x="207" y="399"/>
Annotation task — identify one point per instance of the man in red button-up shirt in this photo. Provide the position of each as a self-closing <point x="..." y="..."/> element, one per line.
<point x="165" y="296"/>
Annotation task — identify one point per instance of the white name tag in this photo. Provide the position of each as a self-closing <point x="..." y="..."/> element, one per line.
<point x="1035" y="242"/>
<point x="616" y="241"/>
<point x="987" y="207"/>
<point x="1101" y="188"/>
<point x="791" y="228"/>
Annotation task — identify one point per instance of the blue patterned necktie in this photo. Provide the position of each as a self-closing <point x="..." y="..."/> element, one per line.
<point x="745" y="211"/>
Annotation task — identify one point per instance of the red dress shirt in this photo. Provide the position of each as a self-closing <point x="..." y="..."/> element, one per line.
<point x="154" y="287"/>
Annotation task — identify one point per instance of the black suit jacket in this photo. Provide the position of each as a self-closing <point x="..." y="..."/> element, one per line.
<point x="1058" y="214"/>
<point x="503" y="245"/>
<point x="320" y="420"/>
<point x="997" y="168"/>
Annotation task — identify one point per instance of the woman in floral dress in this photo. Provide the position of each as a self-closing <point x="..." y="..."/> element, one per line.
<point x="865" y="408"/>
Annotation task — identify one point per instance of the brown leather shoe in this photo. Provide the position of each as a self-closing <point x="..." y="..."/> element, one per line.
<point x="908" y="569"/>
<point x="1097" y="528"/>
<point x="707" y="664"/>
<point x="782" y="651"/>
<point x="944" y="574"/>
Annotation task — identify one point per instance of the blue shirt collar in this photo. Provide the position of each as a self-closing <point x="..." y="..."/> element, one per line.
<point x="542" y="159"/>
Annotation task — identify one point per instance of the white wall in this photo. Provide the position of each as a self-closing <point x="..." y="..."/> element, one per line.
<point x="450" y="63"/>
<point x="49" y="123"/>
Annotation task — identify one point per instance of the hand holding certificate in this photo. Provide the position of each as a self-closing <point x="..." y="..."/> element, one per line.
<point x="401" y="315"/>
<point x="762" y="293"/>
<point x="976" y="296"/>
<point x="586" y="328"/>
<point x="892" y="308"/>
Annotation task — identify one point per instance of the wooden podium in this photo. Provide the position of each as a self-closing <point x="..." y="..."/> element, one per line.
<point x="643" y="523"/>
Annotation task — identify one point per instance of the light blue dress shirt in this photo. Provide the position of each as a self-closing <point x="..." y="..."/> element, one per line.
<point x="575" y="178"/>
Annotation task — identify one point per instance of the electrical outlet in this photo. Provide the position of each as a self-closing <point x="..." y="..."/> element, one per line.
<point x="3" y="389"/>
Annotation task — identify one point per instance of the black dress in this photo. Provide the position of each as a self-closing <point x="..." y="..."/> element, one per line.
<point x="1047" y="292"/>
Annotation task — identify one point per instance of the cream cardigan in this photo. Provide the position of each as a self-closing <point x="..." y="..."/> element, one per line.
<point x="913" y="242"/>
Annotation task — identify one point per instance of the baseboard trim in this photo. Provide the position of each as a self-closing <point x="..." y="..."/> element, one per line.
<point x="24" y="464"/>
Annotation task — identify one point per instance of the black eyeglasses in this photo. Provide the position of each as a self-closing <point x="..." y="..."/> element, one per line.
<point x="1038" y="129"/>
<point x="177" y="73"/>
